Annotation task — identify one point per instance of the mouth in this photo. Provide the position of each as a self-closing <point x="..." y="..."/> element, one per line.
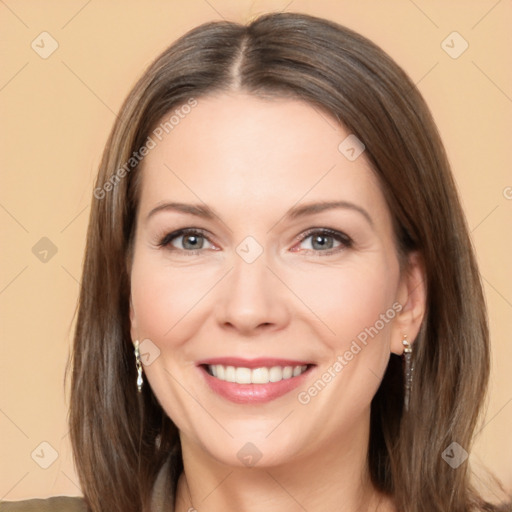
<point x="261" y="375"/>
<point x="253" y="381"/>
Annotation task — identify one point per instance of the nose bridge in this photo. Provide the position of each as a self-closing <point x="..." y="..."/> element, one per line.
<point x="252" y="295"/>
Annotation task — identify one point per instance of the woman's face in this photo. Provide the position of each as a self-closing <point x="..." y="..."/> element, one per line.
<point x="300" y="307"/>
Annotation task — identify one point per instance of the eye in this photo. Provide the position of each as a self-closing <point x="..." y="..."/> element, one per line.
<point x="322" y="241"/>
<point x="192" y="240"/>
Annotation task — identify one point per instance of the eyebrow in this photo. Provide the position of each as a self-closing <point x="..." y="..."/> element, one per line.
<point x="205" y="212"/>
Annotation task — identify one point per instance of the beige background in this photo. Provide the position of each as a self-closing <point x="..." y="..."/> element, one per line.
<point x="56" y="114"/>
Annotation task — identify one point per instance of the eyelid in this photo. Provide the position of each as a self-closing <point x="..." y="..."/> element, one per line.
<point x="322" y="230"/>
<point x="165" y="241"/>
<point x="345" y="241"/>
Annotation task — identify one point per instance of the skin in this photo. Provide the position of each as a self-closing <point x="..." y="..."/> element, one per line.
<point x="251" y="160"/>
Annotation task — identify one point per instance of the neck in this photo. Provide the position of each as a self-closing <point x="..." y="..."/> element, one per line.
<point x="333" y="478"/>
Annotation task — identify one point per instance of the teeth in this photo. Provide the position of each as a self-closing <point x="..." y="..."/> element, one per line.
<point x="297" y="371"/>
<point x="230" y="375"/>
<point x="259" y="376"/>
<point x="243" y="376"/>
<point x="287" y="372"/>
<point x="275" y="374"/>
<point x="262" y="375"/>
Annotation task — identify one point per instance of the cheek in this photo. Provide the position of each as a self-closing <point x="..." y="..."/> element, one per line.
<point x="355" y="301"/>
<point x="350" y="298"/>
<point x="163" y="297"/>
<point x="150" y="298"/>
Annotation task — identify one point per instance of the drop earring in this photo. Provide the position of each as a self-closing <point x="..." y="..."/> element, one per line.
<point x="408" y="369"/>
<point x="138" y="364"/>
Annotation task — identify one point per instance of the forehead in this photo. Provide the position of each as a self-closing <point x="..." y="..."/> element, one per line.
<point x="244" y="152"/>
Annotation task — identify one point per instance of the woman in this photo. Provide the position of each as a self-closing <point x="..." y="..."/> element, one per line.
<point x="281" y="307"/>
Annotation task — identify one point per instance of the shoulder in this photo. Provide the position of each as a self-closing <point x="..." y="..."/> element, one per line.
<point x="56" y="504"/>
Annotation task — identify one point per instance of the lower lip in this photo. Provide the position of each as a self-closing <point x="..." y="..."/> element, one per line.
<point x="253" y="393"/>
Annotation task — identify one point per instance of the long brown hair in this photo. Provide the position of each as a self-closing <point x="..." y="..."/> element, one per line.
<point x="120" y="440"/>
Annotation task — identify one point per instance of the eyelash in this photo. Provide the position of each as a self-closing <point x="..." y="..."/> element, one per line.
<point x="344" y="239"/>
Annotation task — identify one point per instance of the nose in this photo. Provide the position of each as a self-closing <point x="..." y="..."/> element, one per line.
<point x="252" y="299"/>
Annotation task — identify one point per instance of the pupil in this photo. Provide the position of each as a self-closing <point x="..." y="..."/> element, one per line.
<point x="194" y="243"/>
<point x="318" y="239"/>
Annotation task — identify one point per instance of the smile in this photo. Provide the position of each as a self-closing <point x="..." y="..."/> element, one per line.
<point x="262" y="375"/>
<point x="253" y="381"/>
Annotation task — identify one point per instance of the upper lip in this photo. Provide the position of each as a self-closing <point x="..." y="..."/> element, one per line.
<point x="253" y="363"/>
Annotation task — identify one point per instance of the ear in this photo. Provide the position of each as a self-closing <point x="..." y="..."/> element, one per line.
<point x="133" y="322"/>
<point x="412" y="296"/>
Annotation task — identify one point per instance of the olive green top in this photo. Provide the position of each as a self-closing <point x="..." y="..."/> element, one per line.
<point x="162" y="499"/>
<point x="56" y="504"/>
